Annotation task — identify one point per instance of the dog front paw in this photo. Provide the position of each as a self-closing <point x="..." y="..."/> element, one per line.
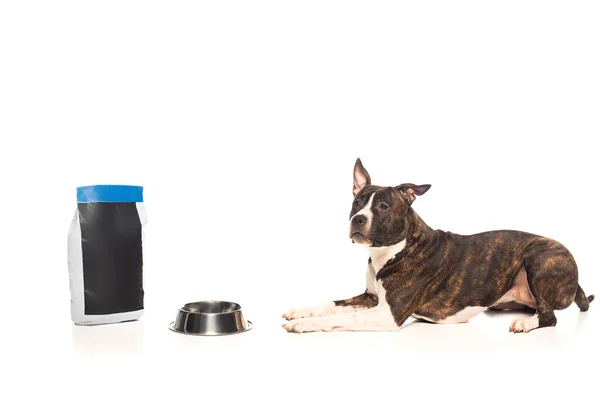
<point x="319" y="311"/>
<point x="306" y="325"/>
<point x="289" y="314"/>
<point x="294" y="326"/>
<point x="296" y="313"/>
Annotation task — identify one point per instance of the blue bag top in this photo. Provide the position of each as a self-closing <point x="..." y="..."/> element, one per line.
<point x="110" y="194"/>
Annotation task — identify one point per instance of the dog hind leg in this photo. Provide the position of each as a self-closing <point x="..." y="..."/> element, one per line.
<point x="542" y="318"/>
<point x="552" y="277"/>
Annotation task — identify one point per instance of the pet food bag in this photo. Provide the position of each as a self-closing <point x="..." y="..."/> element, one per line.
<point x="105" y="255"/>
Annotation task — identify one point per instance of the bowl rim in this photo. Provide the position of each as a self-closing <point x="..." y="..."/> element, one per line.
<point x="187" y="307"/>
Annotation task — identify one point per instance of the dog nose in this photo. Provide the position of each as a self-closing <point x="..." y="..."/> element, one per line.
<point x="359" y="220"/>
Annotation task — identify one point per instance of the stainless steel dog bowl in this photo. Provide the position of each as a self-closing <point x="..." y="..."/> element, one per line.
<point x="210" y="318"/>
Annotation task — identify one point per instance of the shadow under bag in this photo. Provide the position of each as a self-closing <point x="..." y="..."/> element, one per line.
<point x="105" y="250"/>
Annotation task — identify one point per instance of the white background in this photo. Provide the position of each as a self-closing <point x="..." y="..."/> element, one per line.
<point x="242" y="120"/>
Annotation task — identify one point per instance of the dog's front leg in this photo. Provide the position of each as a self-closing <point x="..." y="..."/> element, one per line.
<point x="374" y="319"/>
<point x="363" y="301"/>
<point x="388" y="315"/>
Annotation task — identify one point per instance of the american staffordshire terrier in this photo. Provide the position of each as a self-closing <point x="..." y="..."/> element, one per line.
<point x="442" y="277"/>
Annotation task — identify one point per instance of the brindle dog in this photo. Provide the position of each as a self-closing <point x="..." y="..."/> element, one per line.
<point x="439" y="276"/>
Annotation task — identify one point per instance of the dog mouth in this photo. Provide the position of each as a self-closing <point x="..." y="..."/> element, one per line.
<point x="359" y="238"/>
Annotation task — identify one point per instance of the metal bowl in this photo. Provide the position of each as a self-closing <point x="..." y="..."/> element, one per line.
<point x="210" y="318"/>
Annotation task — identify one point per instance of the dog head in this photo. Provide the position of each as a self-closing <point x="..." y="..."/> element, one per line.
<point x="378" y="216"/>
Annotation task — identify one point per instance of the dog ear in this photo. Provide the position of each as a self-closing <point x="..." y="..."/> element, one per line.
<point x="361" y="177"/>
<point x="411" y="191"/>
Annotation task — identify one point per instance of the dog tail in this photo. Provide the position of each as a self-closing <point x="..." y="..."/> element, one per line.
<point x="583" y="302"/>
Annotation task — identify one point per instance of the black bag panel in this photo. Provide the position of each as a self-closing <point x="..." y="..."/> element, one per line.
<point x="111" y="240"/>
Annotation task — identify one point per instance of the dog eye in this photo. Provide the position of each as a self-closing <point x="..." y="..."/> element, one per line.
<point x="384" y="206"/>
<point x="357" y="203"/>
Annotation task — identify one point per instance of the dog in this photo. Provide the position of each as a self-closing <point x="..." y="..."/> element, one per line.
<point x="438" y="276"/>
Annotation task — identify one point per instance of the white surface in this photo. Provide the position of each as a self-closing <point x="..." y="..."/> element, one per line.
<point x="243" y="120"/>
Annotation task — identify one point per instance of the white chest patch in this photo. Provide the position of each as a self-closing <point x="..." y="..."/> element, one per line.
<point x="462" y="316"/>
<point x="382" y="255"/>
<point x="371" y="282"/>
